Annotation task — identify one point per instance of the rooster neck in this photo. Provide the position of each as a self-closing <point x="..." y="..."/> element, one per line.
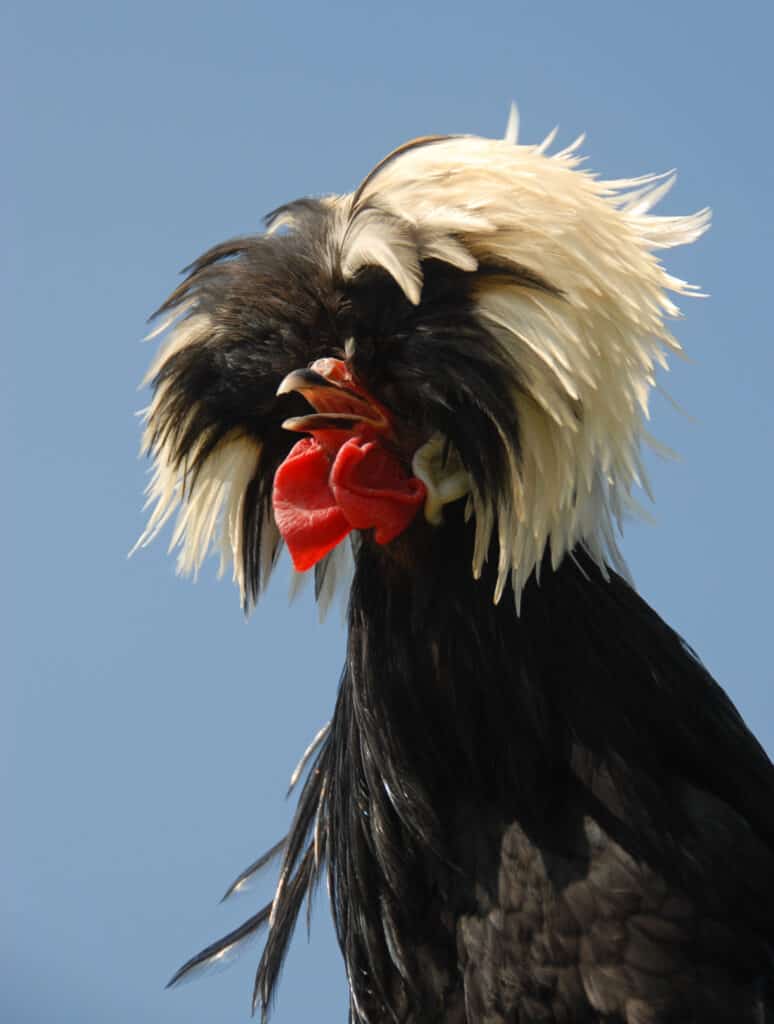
<point x="454" y="698"/>
<point x="450" y="697"/>
<point x="459" y="695"/>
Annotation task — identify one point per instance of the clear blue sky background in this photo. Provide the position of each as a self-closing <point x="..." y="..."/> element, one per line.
<point x="146" y="731"/>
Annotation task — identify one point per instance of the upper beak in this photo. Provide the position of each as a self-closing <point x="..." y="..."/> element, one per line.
<point x="304" y="380"/>
<point x="339" y="404"/>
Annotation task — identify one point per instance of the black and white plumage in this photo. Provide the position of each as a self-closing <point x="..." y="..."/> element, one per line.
<point x="532" y="802"/>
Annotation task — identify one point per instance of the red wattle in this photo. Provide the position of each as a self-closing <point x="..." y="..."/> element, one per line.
<point x="373" y="491"/>
<point x="321" y="494"/>
<point x="305" y="509"/>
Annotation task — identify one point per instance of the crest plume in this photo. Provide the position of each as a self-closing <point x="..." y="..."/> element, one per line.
<point x="563" y="276"/>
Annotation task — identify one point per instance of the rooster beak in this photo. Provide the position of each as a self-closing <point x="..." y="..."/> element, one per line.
<point x="338" y="402"/>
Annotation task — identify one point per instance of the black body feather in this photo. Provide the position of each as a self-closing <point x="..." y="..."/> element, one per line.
<point x="555" y="817"/>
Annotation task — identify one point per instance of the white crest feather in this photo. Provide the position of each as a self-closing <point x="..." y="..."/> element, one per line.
<point x="512" y="128"/>
<point x="586" y="350"/>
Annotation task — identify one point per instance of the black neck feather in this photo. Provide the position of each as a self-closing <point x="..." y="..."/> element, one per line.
<point x="456" y="717"/>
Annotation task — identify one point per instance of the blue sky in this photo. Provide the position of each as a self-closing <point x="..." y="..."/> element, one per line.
<point x="146" y="731"/>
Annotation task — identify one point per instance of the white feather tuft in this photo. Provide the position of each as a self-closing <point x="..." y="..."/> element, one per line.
<point x="209" y="505"/>
<point x="512" y="128"/>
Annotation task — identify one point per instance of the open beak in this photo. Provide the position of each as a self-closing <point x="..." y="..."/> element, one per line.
<point x="338" y="402"/>
<point x="346" y="414"/>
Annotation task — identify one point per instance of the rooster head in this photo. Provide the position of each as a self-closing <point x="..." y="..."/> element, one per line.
<point x="478" y="322"/>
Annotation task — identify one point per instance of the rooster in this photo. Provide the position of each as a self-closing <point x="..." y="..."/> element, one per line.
<point x="532" y="802"/>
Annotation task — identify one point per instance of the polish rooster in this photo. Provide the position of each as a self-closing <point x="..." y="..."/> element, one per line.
<point x="532" y="802"/>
